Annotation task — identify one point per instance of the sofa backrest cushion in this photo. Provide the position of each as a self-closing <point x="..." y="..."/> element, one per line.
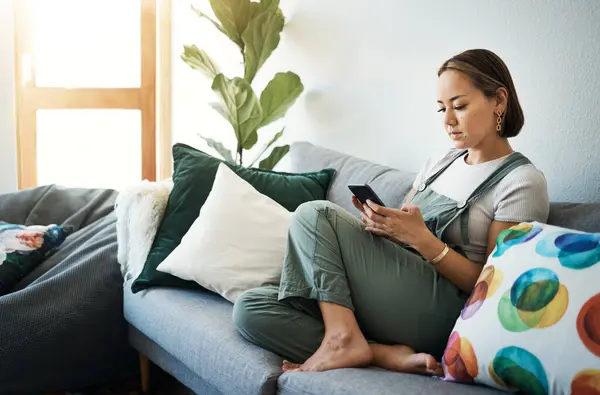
<point x="391" y="185"/>
<point x="579" y="216"/>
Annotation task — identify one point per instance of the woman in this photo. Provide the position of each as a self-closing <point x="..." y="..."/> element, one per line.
<point x="387" y="290"/>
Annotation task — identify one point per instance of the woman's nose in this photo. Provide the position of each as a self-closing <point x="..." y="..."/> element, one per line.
<point x="449" y="118"/>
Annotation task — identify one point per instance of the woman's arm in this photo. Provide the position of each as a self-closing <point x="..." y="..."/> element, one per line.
<point x="522" y="196"/>
<point x="459" y="270"/>
<point x="410" y="195"/>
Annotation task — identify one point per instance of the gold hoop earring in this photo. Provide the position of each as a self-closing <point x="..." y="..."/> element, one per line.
<point x="499" y="121"/>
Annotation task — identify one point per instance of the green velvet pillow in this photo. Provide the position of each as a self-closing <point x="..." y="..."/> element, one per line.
<point x="23" y="248"/>
<point x="193" y="177"/>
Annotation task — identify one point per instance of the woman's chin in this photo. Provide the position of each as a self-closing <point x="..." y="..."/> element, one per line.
<point x="459" y="140"/>
<point x="459" y="144"/>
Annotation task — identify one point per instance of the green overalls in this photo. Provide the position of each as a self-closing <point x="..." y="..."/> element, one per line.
<point x="396" y="295"/>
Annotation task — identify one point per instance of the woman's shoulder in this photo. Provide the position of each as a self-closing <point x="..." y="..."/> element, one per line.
<point x="526" y="174"/>
<point x="522" y="195"/>
<point x="524" y="182"/>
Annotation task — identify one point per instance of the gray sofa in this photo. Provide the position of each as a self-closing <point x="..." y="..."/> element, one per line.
<point x="190" y="334"/>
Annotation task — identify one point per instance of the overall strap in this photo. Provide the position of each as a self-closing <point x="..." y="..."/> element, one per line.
<point x="512" y="162"/>
<point x="445" y="165"/>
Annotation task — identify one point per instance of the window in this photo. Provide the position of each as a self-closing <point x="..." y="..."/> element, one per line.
<point x="87" y="91"/>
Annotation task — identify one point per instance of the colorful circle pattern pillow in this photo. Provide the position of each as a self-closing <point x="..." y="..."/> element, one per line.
<point x="532" y="322"/>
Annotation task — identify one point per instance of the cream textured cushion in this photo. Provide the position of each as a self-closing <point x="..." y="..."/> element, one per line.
<point x="139" y="209"/>
<point x="237" y="242"/>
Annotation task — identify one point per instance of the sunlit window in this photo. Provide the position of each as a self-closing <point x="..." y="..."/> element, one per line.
<point x="87" y="44"/>
<point x="87" y="92"/>
<point x="89" y="148"/>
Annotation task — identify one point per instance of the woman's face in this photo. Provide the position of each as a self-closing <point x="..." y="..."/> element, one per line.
<point x="469" y="117"/>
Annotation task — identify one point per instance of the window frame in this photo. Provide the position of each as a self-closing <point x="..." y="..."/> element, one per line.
<point x="152" y="97"/>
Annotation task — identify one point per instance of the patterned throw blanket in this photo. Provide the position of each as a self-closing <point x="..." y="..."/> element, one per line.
<point x="62" y="328"/>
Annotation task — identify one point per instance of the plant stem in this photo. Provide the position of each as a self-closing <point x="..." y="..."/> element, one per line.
<point x="240" y="151"/>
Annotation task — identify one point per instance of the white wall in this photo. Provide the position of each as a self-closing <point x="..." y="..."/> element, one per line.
<point x="8" y="151"/>
<point x="369" y="70"/>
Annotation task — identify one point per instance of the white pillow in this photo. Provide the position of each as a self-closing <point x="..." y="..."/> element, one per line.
<point x="237" y="242"/>
<point x="532" y="322"/>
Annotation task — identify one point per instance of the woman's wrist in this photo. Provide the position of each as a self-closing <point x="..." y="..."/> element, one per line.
<point x="429" y="246"/>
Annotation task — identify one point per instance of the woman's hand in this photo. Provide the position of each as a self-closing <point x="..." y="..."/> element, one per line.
<point x="363" y="215"/>
<point x="405" y="225"/>
<point x="358" y="204"/>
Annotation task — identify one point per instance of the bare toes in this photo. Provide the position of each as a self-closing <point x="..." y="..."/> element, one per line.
<point x="287" y="366"/>
<point x="438" y="371"/>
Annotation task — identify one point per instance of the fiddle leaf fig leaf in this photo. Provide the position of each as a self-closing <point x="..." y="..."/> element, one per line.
<point x="268" y="145"/>
<point x="260" y="39"/>
<point x="219" y="147"/>
<point x="274" y="157"/>
<point x="241" y="106"/>
<point x="203" y="15"/>
<point x="234" y="16"/>
<point x="199" y="60"/>
<point x="279" y="95"/>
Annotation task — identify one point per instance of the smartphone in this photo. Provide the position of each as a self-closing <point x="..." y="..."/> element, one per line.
<point x="364" y="192"/>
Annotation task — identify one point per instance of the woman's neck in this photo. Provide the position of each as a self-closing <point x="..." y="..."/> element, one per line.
<point x="488" y="150"/>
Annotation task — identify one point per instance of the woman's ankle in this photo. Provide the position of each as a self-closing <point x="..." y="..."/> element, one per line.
<point x="338" y="320"/>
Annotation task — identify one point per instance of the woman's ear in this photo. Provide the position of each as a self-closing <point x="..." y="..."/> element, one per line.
<point x="501" y="99"/>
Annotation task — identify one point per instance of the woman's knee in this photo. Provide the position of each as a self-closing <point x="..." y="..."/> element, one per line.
<point x="251" y="311"/>
<point x="306" y="216"/>
<point x="309" y="211"/>
<point x="313" y="206"/>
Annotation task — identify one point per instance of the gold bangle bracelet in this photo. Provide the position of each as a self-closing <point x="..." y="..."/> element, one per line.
<point x="441" y="255"/>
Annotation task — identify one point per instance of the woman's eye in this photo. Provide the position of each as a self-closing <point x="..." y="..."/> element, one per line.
<point x="457" y="108"/>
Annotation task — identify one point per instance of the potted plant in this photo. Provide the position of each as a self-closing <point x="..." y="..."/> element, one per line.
<point x="255" y="27"/>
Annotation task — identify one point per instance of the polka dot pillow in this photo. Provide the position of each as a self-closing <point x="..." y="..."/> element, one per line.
<point x="532" y="322"/>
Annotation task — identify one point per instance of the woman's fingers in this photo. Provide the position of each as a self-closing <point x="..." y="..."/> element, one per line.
<point x="357" y="204"/>
<point x="381" y="210"/>
<point x="373" y="215"/>
<point x="378" y="232"/>
<point x="370" y="224"/>
<point x="366" y="220"/>
<point x="409" y="208"/>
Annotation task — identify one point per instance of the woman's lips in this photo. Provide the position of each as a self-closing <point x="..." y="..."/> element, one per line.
<point x="456" y="135"/>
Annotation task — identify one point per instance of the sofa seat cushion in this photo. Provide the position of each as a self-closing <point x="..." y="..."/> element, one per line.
<point x="373" y="381"/>
<point x="196" y="326"/>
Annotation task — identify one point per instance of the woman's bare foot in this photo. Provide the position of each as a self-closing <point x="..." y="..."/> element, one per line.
<point x="404" y="359"/>
<point x="287" y="365"/>
<point x="338" y="351"/>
